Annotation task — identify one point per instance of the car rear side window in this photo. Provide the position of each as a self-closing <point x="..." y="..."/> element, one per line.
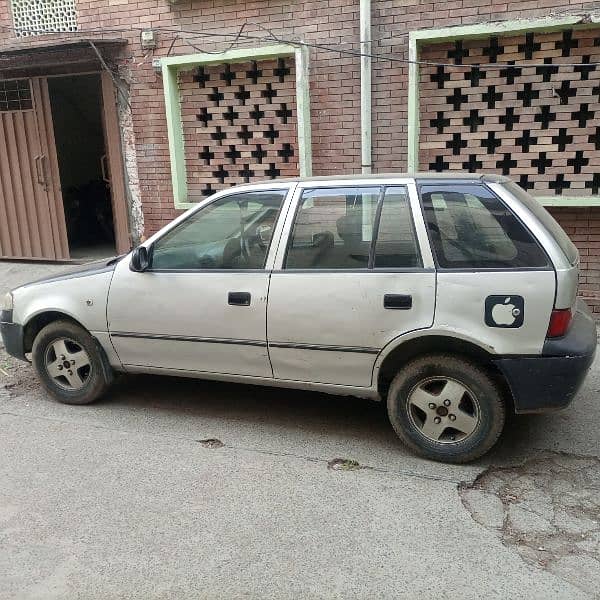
<point x="471" y="228"/>
<point x="353" y="228"/>
<point x="396" y="245"/>
<point x="333" y="229"/>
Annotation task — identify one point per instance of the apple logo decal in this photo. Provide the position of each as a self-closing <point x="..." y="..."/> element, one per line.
<point x="506" y="311"/>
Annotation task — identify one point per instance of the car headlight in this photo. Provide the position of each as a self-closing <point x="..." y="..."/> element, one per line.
<point x="7" y="302"/>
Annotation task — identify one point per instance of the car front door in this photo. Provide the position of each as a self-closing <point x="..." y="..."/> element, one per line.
<point x="201" y="304"/>
<point x="351" y="278"/>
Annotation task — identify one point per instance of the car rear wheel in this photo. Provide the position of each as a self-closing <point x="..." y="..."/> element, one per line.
<point x="446" y="408"/>
<point x="70" y="364"/>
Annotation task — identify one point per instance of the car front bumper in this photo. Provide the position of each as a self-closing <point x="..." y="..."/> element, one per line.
<point x="550" y="381"/>
<point x="12" y="335"/>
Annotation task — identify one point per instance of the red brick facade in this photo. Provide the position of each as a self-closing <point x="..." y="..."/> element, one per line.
<point x="334" y="79"/>
<point x="583" y="226"/>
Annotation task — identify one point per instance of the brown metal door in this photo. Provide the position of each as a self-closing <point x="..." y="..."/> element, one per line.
<point x="32" y="220"/>
<point x="112" y="164"/>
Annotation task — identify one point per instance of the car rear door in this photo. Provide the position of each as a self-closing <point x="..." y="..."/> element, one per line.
<point x="496" y="284"/>
<point x="350" y="275"/>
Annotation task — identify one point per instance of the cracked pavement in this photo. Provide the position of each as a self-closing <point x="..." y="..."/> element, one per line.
<point x="173" y="488"/>
<point x="548" y="509"/>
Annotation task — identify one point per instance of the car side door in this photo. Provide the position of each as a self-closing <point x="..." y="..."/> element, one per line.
<point x="200" y="306"/>
<point x="350" y="275"/>
<point x="495" y="283"/>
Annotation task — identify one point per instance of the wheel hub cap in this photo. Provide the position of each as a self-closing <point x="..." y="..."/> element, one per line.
<point x="68" y="364"/>
<point x="443" y="410"/>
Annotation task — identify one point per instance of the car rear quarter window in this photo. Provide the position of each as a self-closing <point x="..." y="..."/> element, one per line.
<point x="471" y="228"/>
<point x="547" y="220"/>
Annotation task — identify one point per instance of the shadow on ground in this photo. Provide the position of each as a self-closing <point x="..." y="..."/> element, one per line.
<point x="294" y="409"/>
<point x="278" y="410"/>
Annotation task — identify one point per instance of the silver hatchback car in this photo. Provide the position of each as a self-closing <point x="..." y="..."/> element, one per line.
<point x="452" y="298"/>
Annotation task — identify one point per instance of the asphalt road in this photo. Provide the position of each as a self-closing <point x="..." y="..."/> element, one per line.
<point x="123" y="499"/>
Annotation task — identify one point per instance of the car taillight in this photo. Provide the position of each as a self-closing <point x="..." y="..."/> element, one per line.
<point x="559" y="322"/>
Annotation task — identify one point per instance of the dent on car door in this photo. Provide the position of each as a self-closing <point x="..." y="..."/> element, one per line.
<point x="201" y="306"/>
<point x="350" y="280"/>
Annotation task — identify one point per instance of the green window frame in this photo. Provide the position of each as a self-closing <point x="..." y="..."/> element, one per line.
<point x="423" y="37"/>
<point x="171" y="66"/>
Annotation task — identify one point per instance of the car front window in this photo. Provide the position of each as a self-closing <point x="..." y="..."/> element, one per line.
<point x="233" y="232"/>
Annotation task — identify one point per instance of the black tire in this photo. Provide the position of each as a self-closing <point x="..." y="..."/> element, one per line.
<point x="96" y="377"/>
<point x="483" y="403"/>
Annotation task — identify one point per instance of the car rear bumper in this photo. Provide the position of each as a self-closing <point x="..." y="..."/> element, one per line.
<point x="12" y="335"/>
<point x="551" y="381"/>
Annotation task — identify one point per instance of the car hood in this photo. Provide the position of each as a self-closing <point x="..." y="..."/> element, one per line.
<point x="92" y="268"/>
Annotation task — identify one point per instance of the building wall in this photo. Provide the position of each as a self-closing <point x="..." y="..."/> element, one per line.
<point x="583" y="226"/>
<point x="334" y="79"/>
<point x="334" y="83"/>
<point x="538" y="125"/>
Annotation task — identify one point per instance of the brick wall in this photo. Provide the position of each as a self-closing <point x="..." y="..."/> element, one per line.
<point x="334" y="82"/>
<point x="394" y="19"/>
<point x="539" y="125"/>
<point x="583" y="227"/>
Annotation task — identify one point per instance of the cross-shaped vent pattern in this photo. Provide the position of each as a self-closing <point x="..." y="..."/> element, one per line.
<point x="537" y="124"/>
<point x="239" y="124"/>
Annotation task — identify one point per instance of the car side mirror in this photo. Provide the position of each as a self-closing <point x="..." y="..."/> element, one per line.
<point x="140" y="259"/>
<point x="264" y="233"/>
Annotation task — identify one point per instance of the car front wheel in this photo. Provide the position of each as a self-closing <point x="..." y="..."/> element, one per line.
<point x="70" y="364"/>
<point x="446" y="408"/>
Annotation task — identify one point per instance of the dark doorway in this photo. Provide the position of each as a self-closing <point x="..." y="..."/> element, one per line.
<point x="76" y="103"/>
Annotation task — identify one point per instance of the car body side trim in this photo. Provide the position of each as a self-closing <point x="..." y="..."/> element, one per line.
<point x="242" y="342"/>
<point x="297" y="346"/>
<point x="196" y="271"/>
<point x="493" y="269"/>
<point x="187" y="338"/>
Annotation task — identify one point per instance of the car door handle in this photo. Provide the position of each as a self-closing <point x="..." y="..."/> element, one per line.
<point x="239" y="298"/>
<point x="397" y="301"/>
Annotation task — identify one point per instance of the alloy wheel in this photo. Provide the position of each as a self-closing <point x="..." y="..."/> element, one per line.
<point x="68" y="364"/>
<point x="443" y="410"/>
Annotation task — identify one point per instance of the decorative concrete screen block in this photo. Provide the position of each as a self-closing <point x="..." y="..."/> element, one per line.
<point x="539" y="124"/>
<point x="36" y="17"/>
<point x="239" y="124"/>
